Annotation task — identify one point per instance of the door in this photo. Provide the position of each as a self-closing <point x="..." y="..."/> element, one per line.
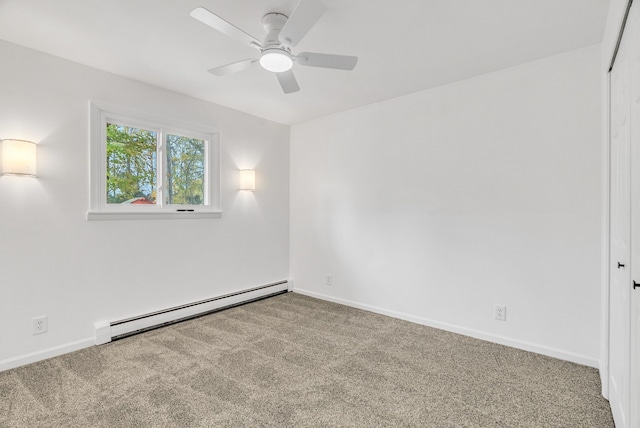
<point x="624" y="298"/>
<point x="620" y="237"/>
<point x="634" y="292"/>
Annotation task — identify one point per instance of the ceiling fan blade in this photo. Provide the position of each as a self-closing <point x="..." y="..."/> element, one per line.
<point x="340" y="62"/>
<point x="288" y="82"/>
<point x="233" y="67"/>
<point x="303" y="18"/>
<point x="214" y="21"/>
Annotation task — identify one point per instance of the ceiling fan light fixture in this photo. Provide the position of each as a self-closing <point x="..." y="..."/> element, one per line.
<point x="276" y="60"/>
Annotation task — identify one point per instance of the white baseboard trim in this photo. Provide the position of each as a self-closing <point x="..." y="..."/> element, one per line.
<point x="106" y="331"/>
<point x="604" y="381"/>
<point x="23" y="360"/>
<point x="502" y="340"/>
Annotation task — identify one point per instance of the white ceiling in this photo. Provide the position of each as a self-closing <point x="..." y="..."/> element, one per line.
<point x="403" y="46"/>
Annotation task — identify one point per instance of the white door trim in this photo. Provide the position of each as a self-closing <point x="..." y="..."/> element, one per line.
<point x="606" y="236"/>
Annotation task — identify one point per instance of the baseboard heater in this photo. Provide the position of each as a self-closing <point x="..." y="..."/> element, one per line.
<point x="109" y="331"/>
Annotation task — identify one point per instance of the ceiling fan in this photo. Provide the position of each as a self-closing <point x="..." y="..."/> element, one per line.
<point x="283" y="33"/>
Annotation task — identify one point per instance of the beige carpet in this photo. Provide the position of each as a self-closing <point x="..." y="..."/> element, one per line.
<point x="295" y="361"/>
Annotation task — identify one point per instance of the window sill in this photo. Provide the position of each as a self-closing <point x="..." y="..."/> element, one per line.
<point x="164" y="215"/>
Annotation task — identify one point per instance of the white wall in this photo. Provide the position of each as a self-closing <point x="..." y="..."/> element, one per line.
<point x="53" y="262"/>
<point x="438" y="205"/>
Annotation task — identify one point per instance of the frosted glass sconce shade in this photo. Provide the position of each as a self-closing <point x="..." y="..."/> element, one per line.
<point x="18" y="157"/>
<point x="247" y="179"/>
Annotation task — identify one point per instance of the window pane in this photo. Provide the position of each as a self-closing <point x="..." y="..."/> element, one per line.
<point x="131" y="165"/>
<point x="185" y="170"/>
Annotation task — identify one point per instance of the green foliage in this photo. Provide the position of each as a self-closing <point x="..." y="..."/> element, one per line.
<point x="185" y="166"/>
<point x="132" y="169"/>
<point x="131" y="164"/>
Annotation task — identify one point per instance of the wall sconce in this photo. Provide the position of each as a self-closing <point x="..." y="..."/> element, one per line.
<point x="247" y="179"/>
<point x="18" y="157"/>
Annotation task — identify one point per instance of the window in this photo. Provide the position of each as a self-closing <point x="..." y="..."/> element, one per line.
<point x="149" y="168"/>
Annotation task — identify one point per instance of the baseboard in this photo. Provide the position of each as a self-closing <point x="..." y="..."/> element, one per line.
<point x="604" y="381"/>
<point x="106" y="331"/>
<point x="45" y="354"/>
<point x="502" y="340"/>
<point x="527" y="346"/>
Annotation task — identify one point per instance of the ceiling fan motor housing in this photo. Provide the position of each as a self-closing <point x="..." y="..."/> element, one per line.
<point x="273" y="23"/>
<point x="274" y="56"/>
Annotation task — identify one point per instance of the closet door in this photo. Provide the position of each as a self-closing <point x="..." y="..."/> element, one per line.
<point x="634" y="289"/>
<point x="620" y="237"/>
<point x="624" y="281"/>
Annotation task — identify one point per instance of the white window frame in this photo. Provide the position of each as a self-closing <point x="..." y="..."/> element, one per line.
<point x="99" y="116"/>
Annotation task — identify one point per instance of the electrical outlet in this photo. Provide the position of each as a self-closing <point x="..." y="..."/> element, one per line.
<point x="329" y="280"/>
<point x="40" y="325"/>
<point x="500" y="312"/>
